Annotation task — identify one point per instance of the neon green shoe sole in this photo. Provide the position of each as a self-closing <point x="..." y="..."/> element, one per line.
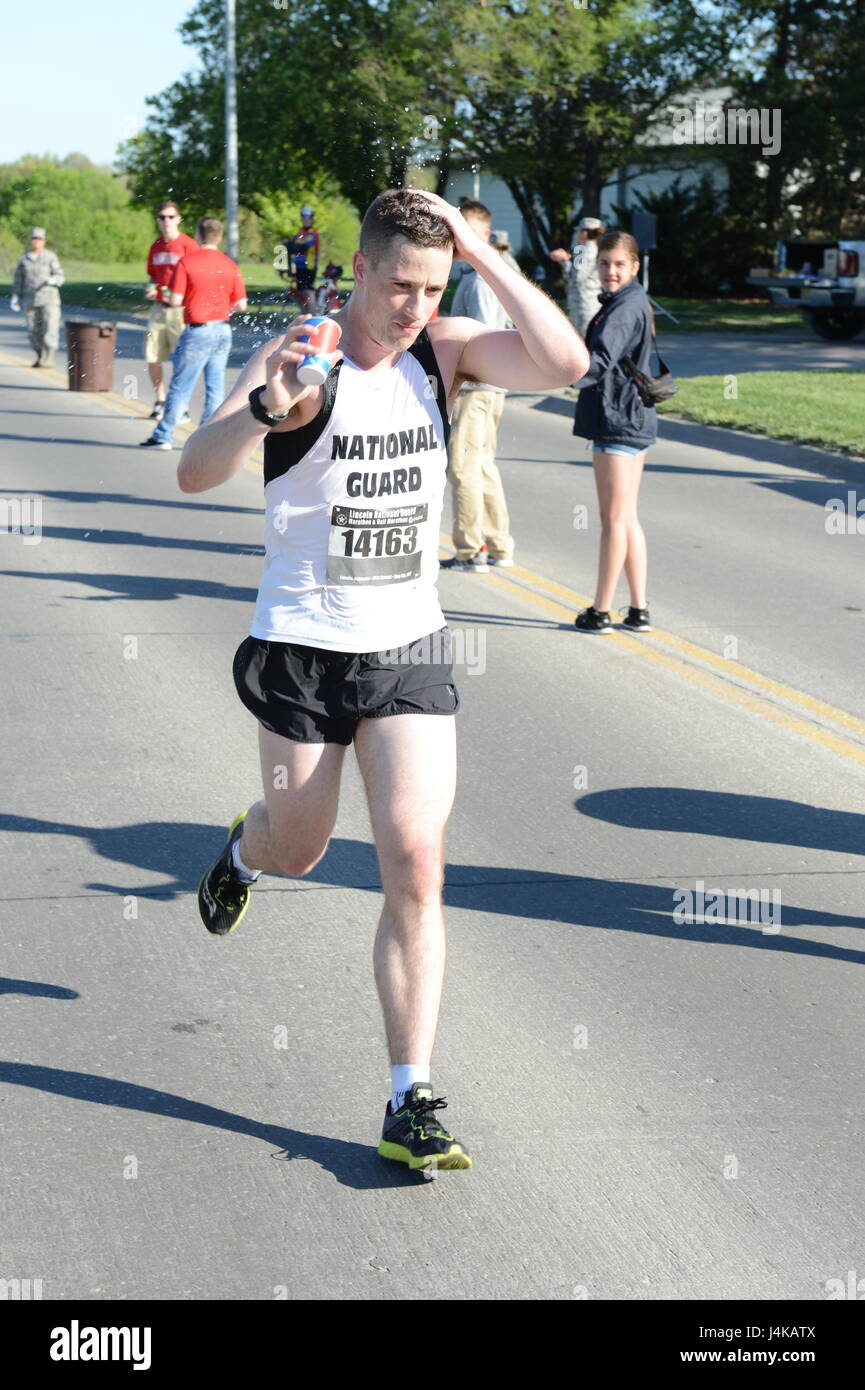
<point x="454" y="1158"/>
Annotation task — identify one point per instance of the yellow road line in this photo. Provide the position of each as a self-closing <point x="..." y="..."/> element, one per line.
<point x="725" y="685"/>
<point x="731" y="669"/>
<point x="754" y="701"/>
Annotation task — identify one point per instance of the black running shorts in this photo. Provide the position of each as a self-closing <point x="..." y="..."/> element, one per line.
<point x="311" y="695"/>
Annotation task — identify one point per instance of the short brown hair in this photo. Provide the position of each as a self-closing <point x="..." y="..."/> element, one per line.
<point x="473" y="208"/>
<point x="406" y="213"/>
<point x="209" y="230"/>
<point x="610" y="240"/>
<point x="167" y="204"/>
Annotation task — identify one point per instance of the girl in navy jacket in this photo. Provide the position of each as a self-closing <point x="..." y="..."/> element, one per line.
<point x="610" y="413"/>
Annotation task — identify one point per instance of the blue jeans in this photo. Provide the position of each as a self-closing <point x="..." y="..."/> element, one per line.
<point x="202" y="347"/>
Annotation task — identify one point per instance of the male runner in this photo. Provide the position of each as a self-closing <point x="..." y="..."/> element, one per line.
<point x="354" y="479"/>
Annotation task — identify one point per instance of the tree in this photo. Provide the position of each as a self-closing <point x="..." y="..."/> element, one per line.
<point x="85" y="211"/>
<point x="560" y="96"/>
<point x="803" y="59"/>
<point x="339" y="90"/>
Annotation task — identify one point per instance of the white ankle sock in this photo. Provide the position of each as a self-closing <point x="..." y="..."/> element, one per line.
<point x="402" y="1078"/>
<point x="248" y="875"/>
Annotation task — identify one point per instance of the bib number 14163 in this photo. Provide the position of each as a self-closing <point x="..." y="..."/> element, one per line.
<point x="368" y="546"/>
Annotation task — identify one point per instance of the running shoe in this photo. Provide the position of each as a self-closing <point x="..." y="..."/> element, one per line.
<point x="152" y="443"/>
<point x="499" y="563"/>
<point x="472" y="564"/>
<point x="590" y="620"/>
<point x="156" y="412"/>
<point x="414" y="1136"/>
<point x="638" y="620"/>
<point x="223" y="897"/>
<point x="185" y="419"/>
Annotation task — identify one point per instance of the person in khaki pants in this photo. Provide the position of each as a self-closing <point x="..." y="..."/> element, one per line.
<point x="482" y="529"/>
<point x="165" y="323"/>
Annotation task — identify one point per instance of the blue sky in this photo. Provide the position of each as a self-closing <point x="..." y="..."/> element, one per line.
<point x="75" y="74"/>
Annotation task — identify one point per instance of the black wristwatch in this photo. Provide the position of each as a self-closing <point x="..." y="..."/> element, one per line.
<point x="259" y="411"/>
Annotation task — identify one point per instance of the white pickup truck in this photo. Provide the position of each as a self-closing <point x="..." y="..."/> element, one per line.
<point x="825" y="279"/>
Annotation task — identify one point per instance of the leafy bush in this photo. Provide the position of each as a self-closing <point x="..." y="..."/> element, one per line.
<point x="86" y="211"/>
<point x="337" y="222"/>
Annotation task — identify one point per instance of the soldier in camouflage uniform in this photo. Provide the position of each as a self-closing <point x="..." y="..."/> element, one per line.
<point x="581" y="264"/>
<point x="37" y="280"/>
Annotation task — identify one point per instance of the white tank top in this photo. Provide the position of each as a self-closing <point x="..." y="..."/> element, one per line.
<point x="353" y="503"/>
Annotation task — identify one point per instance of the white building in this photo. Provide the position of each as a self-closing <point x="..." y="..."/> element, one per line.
<point x="686" y="162"/>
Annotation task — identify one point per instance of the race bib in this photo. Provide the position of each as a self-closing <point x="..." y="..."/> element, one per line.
<point x="376" y="546"/>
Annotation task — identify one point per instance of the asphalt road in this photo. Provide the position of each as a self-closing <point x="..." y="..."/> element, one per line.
<point x="658" y="1108"/>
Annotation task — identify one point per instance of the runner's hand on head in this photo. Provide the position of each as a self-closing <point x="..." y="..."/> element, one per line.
<point x="467" y="240"/>
<point x="282" y="389"/>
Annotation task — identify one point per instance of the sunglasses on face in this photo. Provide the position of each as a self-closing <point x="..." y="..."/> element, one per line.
<point x="167" y="216"/>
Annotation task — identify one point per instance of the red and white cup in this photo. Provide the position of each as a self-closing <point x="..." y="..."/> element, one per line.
<point x="323" y="335"/>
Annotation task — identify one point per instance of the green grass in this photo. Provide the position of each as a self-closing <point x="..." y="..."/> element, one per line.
<point x="724" y="315"/>
<point x="118" y="286"/>
<point x="826" y="408"/>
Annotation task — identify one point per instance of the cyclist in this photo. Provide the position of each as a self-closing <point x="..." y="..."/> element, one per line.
<point x="303" y="254"/>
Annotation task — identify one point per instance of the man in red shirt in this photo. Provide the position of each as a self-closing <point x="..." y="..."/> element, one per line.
<point x="209" y="286"/>
<point x="165" y="324"/>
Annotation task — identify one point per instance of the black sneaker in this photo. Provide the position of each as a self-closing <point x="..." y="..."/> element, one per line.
<point x="638" y="620"/>
<point x="414" y="1136"/>
<point x="152" y="443"/>
<point x="473" y="564"/>
<point x="590" y="620"/>
<point x="223" y="897"/>
<point x="157" y="411"/>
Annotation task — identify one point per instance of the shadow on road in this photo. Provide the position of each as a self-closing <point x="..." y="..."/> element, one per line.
<point x="353" y="1165"/>
<point x="730" y="815"/>
<point x="128" y="498"/>
<point x="57" y="439"/>
<point x="501" y="620"/>
<point x="36" y="987"/>
<point x="146" y="587"/>
<point x="104" y="536"/>
<point x="162" y="847"/>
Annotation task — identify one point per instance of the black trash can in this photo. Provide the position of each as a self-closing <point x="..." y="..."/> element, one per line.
<point x="90" y="349"/>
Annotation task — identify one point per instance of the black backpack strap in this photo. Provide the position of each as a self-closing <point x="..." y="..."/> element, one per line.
<point x="424" y="353"/>
<point x="283" y="451"/>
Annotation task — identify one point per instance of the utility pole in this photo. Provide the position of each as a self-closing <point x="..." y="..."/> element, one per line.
<point x="231" y="231"/>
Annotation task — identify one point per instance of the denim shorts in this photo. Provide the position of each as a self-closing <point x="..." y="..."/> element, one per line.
<point x="612" y="446"/>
